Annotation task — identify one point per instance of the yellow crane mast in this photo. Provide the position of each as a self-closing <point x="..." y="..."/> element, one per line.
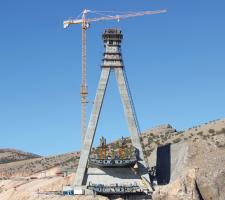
<point x="85" y="22"/>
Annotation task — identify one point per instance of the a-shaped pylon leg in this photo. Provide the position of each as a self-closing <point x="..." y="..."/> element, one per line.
<point x="129" y="110"/>
<point x="92" y="125"/>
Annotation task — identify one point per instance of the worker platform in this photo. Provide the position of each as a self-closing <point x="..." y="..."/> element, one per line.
<point x="108" y="175"/>
<point x="118" y="174"/>
<point x="112" y="162"/>
<point x="115" y="189"/>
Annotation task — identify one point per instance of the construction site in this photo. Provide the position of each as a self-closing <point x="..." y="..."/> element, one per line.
<point x="157" y="164"/>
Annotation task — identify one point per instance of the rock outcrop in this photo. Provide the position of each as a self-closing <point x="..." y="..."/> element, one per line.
<point x="197" y="165"/>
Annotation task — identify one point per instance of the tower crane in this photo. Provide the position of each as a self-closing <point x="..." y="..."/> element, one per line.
<point x="85" y="23"/>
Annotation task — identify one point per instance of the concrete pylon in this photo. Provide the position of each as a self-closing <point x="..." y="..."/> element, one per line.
<point x="112" y="61"/>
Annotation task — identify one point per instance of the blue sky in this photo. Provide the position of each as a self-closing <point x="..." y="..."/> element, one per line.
<point x="174" y="63"/>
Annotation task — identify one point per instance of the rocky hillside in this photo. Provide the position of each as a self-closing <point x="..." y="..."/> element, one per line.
<point x="197" y="157"/>
<point x="12" y="155"/>
<point x="31" y="166"/>
<point x="197" y="164"/>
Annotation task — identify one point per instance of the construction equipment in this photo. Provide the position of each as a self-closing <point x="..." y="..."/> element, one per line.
<point x="122" y="148"/>
<point x="85" y="23"/>
<point x="102" y="153"/>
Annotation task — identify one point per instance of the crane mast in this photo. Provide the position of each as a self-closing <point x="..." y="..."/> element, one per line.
<point x="84" y="90"/>
<point x="84" y="26"/>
